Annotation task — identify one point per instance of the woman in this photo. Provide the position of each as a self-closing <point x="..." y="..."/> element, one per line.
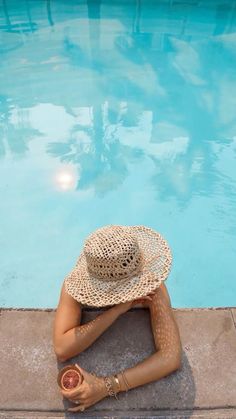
<point x="119" y="267"/>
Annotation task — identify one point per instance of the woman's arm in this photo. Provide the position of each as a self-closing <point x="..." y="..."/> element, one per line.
<point x="69" y="337"/>
<point x="166" y="335"/>
<point x="166" y="360"/>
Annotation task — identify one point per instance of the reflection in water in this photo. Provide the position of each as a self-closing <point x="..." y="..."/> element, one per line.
<point x="133" y="75"/>
<point x="22" y="27"/>
<point x="49" y="13"/>
<point x="135" y="101"/>
<point x="15" y="129"/>
<point x="101" y="158"/>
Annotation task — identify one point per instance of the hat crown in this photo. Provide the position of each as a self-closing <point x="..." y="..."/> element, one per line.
<point x="112" y="253"/>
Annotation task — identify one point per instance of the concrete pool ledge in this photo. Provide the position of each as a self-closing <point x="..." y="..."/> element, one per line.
<point x="204" y="387"/>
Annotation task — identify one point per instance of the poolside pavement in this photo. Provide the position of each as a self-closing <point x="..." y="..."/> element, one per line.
<point x="204" y="387"/>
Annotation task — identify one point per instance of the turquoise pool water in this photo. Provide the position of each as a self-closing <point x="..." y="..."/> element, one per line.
<point x="120" y="113"/>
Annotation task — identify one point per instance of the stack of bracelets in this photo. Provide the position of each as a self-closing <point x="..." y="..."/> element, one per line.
<point x="111" y="382"/>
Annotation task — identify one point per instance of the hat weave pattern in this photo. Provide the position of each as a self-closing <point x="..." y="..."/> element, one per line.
<point x="119" y="264"/>
<point x="112" y="253"/>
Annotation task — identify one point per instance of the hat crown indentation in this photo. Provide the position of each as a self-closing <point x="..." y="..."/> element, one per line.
<point x="112" y="253"/>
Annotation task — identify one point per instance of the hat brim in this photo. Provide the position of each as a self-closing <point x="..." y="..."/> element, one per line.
<point x="94" y="292"/>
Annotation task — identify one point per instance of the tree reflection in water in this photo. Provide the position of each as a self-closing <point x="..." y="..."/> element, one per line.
<point x="101" y="159"/>
<point x="14" y="136"/>
<point x="144" y="71"/>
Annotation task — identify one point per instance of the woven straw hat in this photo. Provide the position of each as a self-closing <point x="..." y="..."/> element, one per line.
<point x="119" y="264"/>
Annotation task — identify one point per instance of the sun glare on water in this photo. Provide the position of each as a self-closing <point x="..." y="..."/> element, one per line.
<point x="65" y="180"/>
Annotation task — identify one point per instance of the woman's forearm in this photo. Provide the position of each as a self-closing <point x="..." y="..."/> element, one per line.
<point x="81" y="337"/>
<point x="166" y="336"/>
<point x="150" y="369"/>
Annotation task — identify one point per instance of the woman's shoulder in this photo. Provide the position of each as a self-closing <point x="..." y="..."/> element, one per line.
<point x="68" y="298"/>
<point x="164" y="294"/>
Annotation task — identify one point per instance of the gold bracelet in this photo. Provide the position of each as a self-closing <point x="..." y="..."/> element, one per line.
<point x="117" y="381"/>
<point x="109" y="386"/>
<point x="125" y="381"/>
<point x="112" y="377"/>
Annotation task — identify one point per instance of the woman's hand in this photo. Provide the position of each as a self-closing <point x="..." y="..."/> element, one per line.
<point x="123" y="307"/>
<point x="90" y="391"/>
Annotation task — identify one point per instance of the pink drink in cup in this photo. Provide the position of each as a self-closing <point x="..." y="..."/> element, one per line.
<point x="69" y="377"/>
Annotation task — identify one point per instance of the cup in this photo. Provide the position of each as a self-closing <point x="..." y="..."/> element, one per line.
<point x="69" y="377"/>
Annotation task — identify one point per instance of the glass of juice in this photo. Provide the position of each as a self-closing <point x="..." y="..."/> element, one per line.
<point x="69" y="377"/>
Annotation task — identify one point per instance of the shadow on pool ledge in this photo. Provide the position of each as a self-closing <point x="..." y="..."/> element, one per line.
<point x="126" y="343"/>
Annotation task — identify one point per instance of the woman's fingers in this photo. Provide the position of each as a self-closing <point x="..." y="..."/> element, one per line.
<point x="79" y="396"/>
<point x="77" y="401"/>
<point x="142" y="299"/>
<point x="73" y="393"/>
<point x="146" y="298"/>
<point x="76" y="398"/>
<point x="76" y="408"/>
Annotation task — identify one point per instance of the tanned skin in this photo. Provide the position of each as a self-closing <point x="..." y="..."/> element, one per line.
<point x="70" y="338"/>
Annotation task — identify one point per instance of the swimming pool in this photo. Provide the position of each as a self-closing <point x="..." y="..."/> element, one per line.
<point x="119" y="113"/>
